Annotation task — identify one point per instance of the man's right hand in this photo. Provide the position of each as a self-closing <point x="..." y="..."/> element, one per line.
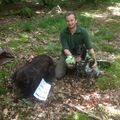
<point x="78" y="59"/>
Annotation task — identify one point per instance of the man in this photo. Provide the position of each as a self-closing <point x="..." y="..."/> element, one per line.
<point x="72" y="37"/>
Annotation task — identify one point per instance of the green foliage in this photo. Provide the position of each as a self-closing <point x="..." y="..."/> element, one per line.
<point x="26" y="12"/>
<point x="111" y="79"/>
<point x="3" y="75"/>
<point x="3" y="88"/>
<point x="39" y="50"/>
<point x="104" y="34"/>
<point x="13" y="44"/>
<point x="26" y="26"/>
<point x="23" y="38"/>
<point x="84" y="20"/>
<point x="76" y="116"/>
<point x="106" y="82"/>
<point x="8" y="27"/>
<point x="17" y="43"/>
<point x="25" y="102"/>
<point x="47" y="49"/>
<point x="51" y="48"/>
<point x="101" y="37"/>
<point x="109" y="48"/>
<point x="52" y="24"/>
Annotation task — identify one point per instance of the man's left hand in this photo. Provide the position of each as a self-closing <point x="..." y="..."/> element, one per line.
<point x="78" y="59"/>
<point x="94" y="65"/>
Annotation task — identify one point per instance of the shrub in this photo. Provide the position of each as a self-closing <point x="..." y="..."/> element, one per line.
<point x="3" y="88"/>
<point x="26" y="26"/>
<point x="76" y="116"/>
<point x="111" y="79"/>
<point x="26" y="12"/>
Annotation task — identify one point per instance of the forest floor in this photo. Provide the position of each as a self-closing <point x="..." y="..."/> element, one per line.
<point x="66" y="96"/>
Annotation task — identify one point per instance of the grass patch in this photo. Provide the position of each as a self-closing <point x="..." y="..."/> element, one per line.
<point x="50" y="48"/>
<point x="26" y="26"/>
<point x="84" y="20"/>
<point x="109" y="48"/>
<point x="52" y="24"/>
<point x="42" y="37"/>
<point x="111" y="80"/>
<point x="39" y="50"/>
<point x="3" y="75"/>
<point x="25" y="102"/>
<point x="76" y="116"/>
<point x="18" y="41"/>
<point x="26" y="12"/>
<point x="12" y="44"/>
<point x="8" y="27"/>
<point x="104" y="33"/>
<point x="3" y="88"/>
<point x="56" y="23"/>
<point x="113" y="24"/>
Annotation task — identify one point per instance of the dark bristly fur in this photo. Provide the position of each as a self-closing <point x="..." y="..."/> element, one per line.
<point x="27" y="78"/>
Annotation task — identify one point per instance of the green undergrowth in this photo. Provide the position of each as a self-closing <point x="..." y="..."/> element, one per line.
<point x="76" y="116"/>
<point x="5" y="75"/>
<point x="26" y="26"/>
<point x="109" y="48"/>
<point x="52" y="24"/>
<point x="111" y="79"/>
<point x="35" y="35"/>
<point x="50" y="48"/>
<point x="16" y="41"/>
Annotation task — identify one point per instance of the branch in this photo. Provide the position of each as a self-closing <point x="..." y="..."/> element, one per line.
<point x="82" y="111"/>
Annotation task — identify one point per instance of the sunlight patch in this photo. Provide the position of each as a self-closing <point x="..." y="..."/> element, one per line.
<point x="95" y="15"/>
<point x="110" y="109"/>
<point x="115" y="9"/>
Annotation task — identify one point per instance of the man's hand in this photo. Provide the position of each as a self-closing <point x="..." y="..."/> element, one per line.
<point x="92" y="55"/>
<point x="78" y="59"/>
<point x="94" y="65"/>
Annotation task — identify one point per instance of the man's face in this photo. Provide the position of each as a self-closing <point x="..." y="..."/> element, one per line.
<point x="71" y="21"/>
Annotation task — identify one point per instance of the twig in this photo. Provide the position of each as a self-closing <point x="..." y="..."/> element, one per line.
<point x="82" y="111"/>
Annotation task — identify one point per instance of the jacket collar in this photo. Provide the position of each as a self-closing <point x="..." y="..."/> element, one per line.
<point x="78" y="30"/>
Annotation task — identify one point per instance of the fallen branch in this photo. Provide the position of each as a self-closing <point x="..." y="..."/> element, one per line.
<point x="82" y="111"/>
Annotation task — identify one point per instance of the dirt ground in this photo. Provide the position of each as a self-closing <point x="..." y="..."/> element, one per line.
<point x="66" y="96"/>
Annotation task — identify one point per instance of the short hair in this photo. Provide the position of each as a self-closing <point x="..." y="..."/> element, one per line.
<point x="70" y="13"/>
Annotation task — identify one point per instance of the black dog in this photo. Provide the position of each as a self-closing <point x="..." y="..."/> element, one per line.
<point x="27" y="78"/>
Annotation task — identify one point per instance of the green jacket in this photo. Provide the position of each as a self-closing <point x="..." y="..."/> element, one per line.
<point x="71" y="42"/>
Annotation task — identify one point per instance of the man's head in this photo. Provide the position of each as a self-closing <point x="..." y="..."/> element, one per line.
<point x="71" y="20"/>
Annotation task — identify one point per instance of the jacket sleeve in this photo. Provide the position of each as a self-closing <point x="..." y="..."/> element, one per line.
<point x="86" y="40"/>
<point x="63" y="40"/>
